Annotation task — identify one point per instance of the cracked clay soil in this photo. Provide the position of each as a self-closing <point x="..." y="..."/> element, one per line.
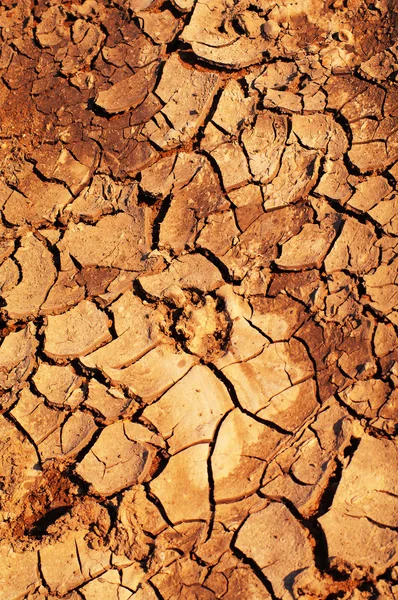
<point x="198" y="300"/>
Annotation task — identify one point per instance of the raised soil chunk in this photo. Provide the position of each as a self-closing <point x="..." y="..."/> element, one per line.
<point x="244" y="342"/>
<point x="213" y="137"/>
<point x="116" y="460"/>
<point x="381" y="286"/>
<point x="276" y="75"/>
<point x="77" y="432"/>
<point x="56" y="162"/>
<point x="190" y="271"/>
<point x="302" y="471"/>
<point x="17" y="356"/>
<point x="36" y="202"/>
<point x="307" y="249"/>
<point x="187" y="95"/>
<point x="320" y="132"/>
<point x="232" y="163"/>
<point x="296" y="177"/>
<point x="243" y="448"/>
<point x="64" y="294"/>
<point x="159" y="179"/>
<point x="385" y="340"/>
<point x="218" y="232"/>
<point x="278" y="318"/>
<point x="283" y="100"/>
<point x="183" y="486"/>
<point x="69" y="562"/>
<point x="20" y="468"/>
<point x="161" y="27"/>
<point x="354" y="249"/>
<point x="264" y="145"/>
<point x="35" y="417"/>
<point x="368" y="193"/>
<point x="212" y="37"/>
<point x="175" y="172"/>
<point x="385" y="213"/>
<point x="14" y="581"/>
<point x="278" y="367"/>
<point x="120" y="241"/>
<point x="96" y="200"/>
<point x="130" y="92"/>
<point x="233" y="108"/>
<point x="154" y="373"/>
<point x="59" y="385"/>
<point x="366" y="397"/>
<point x="278" y="544"/>
<point x="292" y="408"/>
<point x="109" y="403"/>
<point x="364" y="511"/>
<point x="191" y="410"/>
<point x="334" y="181"/>
<point x="9" y="275"/>
<point x="76" y="332"/>
<point x="191" y="204"/>
<point x="257" y="247"/>
<point x="373" y="156"/>
<point x="38" y="274"/>
<point x="120" y="352"/>
<point x="374" y="400"/>
<point x="137" y="327"/>
<point x="132" y="314"/>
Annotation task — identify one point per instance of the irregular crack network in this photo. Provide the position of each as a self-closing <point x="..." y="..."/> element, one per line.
<point x="198" y="300"/>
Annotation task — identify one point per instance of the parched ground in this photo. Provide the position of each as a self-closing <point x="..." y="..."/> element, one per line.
<point x="199" y="300"/>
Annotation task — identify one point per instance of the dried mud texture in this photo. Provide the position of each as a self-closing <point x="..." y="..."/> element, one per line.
<point x="199" y="300"/>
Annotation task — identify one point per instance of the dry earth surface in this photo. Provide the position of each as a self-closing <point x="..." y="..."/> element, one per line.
<point x="199" y="299"/>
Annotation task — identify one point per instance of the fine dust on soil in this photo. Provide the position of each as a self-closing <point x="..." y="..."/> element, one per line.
<point x="199" y="300"/>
